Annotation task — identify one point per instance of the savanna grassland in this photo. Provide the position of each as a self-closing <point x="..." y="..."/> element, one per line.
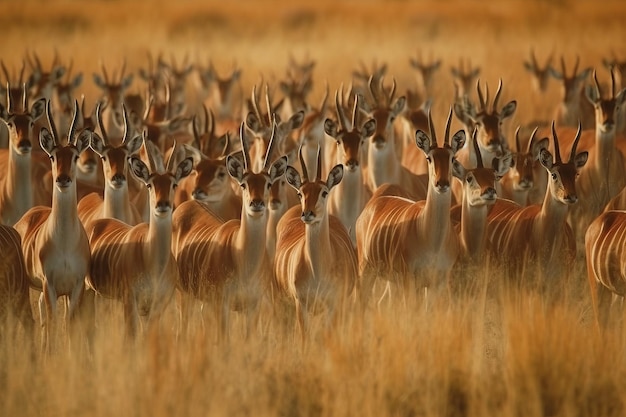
<point x="491" y="352"/>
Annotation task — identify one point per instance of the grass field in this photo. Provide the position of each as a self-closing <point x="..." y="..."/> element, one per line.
<point x="486" y="354"/>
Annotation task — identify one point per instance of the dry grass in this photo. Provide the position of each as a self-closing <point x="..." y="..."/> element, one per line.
<point x="484" y="355"/>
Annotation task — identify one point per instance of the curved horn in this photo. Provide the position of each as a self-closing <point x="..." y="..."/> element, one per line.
<point x="447" y="137"/>
<point x="340" y="112"/>
<point x="572" y="153"/>
<point x="105" y="137"/>
<point x="5" y="71"/>
<point x="479" y="157"/>
<point x="355" y="111"/>
<point x="532" y="138"/>
<point x="271" y="145"/>
<point x="126" y="120"/>
<point x="72" y="131"/>
<point x="53" y="127"/>
<point x="24" y="97"/>
<point x="268" y="104"/>
<point x="169" y="167"/>
<point x="518" y="147"/>
<point x="392" y="92"/>
<point x="433" y="137"/>
<point x="255" y="104"/>
<point x="481" y="99"/>
<point x="9" y="101"/>
<point x="595" y="79"/>
<point x="196" y="133"/>
<point x="494" y="109"/>
<point x="612" y="81"/>
<point x="244" y="147"/>
<point x="557" y="151"/>
<point x="305" y="173"/>
<point x="576" y="66"/>
<point x="318" y="177"/>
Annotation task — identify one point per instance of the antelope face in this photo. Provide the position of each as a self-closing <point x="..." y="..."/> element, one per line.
<point x="64" y="158"/>
<point x="522" y="171"/>
<point x="489" y="125"/>
<point x="562" y="181"/>
<point x="349" y="145"/>
<point x="88" y="163"/>
<point x="384" y="128"/>
<point x="313" y="195"/>
<point x="210" y="179"/>
<point x="161" y="186"/>
<point x="113" y="94"/>
<point x="480" y="187"/>
<point x="20" y="126"/>
<point x="255" y="186"/>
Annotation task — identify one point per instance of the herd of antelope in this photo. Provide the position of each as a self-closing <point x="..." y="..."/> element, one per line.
<point x="239" y="199"/>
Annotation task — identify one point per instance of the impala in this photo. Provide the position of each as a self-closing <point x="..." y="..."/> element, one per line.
<point x="262" y="127"/>
<point x="14" y="281"/>
<point x="224" y="96"/>
<point x="209" y="182"/>
<point x="606" y="253"/>
<point x="479" y="194"/>
<point x="116" y="201"/>
<point x="425" y="75"/>
<point x="135" y="264"/>
<point x="54" y="242"/>
<point x="18" y="190"/>
<point x="351" y="194"/>
<point x="316" y="263"/>
<point x="412" y="243"/>
<point x="225" y="262"/>
<point x="540" y="76"/>
<point x="603" y="177"/>
<point x="113" y="90"/>
<point x="63" y="99"/>
<point x="539" y="235"/>
<point x="463" y="77"/>
<point x="177" y="80"/>
<point x="523" y="183"/>
<point x="573" y="106"/>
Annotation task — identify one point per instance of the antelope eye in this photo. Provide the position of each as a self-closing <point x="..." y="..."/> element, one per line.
<point x="324" y="194"/>
<point x="469" y="179"/>
<point x="554" y="176"/>
<point x="428" y="159"/>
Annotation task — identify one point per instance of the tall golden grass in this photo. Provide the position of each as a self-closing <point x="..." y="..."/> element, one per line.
<point x="489" y="352"/>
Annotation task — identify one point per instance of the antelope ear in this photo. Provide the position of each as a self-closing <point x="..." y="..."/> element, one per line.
<point x="139" y="169"/>
<point x="330" y="128"/>
<point x="97" y="80"/>
<point x="458" y="170"/>
<point x="235" y="168"/>
<point x="422" y="141"/>
<point x="457" y="141"/>
<point x="97" y="144"/>
<point x="369" y="128"/>
<point x="581" y="159"/>
<point x="545" y="157"/>
<point x="538" y="146"/>
<point x="591" y="94"/>
<point x="398" y="105"/>
<point x="293" y="177"/>
<point x="133" y="145"/>
<point x="183" y="169"/>
<point x="252" y="122"/>
<point x="38" y="108"/>
<point x="278" y="168"/>
<point x="334" y="176"/>
<point x="296" y="120"/>
<point x="46" y="140"/>
<point x="83" y="139"/>
<point x="508" y="109"/>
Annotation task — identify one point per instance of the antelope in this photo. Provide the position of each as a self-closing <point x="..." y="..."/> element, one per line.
<point x="523" y="183"/>
<point x="488" y="121"/>
<point x="209" y="181"/>
<point x="14" y="281"/>
<point x="296" y="92"/>
<point x="65" y="91"/>
<point x="54" y="242"/>
<point x="619" y="67"/>
<point x="116" y="202"/>
<point x="603" y="177"/>
<point x="316" y="262"/>
<point x="177" y="80"/>
<point x="540" y="76"/>
<point x="463" y="77"/>
<point x="225" y="262"/>
<point x="425" y="74"/>
<point x="604" y="249"/>
<point x="311" y="135"/>
<point x="412" y="243"/>
<point x="18" y="192"/>
<point x="224" y="96"/>
<point x="113" y="90"/>
<point x="44" y="81"/>
<point x="479" y="194"/>
<point x="364" y="76"/>
<point x="262" y="125"/>
<point x="351" y="194"/>
<point x="135" y="264"/>
<point x="573" y="107"/>
<point x="383" y="159"/>
<point x="522" y="236"/>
